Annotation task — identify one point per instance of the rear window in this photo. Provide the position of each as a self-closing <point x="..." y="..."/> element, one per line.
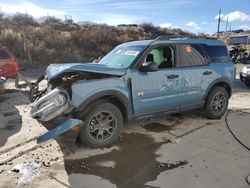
<point x="217" y="53"/>
<point x="4" y="54"/>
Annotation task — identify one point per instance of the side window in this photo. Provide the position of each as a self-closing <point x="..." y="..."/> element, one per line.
<point x="163" y="56"/>
<point x="4" y="54"/>
<point x="216" y="53"/>
<point x="191" y="55"/>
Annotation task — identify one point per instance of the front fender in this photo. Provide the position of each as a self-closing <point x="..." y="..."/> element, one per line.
<point x="116" y="94"/>
<point x="86" y="92"/>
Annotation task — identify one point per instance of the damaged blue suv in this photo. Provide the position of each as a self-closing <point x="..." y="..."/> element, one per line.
<point x="140" y="79"/>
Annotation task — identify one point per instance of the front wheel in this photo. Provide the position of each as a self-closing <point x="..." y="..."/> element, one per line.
<point x="216" y="103"/>
<point x="103" y="124"/>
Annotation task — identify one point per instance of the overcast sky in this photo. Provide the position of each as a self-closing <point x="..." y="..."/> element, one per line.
<point x="193" y="15"/>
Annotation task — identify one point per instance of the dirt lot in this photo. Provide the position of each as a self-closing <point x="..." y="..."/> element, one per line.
<point x="182" y="150"/>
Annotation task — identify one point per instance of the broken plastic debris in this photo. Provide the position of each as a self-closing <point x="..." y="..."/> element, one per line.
<point x="29" y="171"/>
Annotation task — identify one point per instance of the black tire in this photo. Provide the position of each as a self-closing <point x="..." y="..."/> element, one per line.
<point x="103" y="125"/>
<point x="216" y="103"/>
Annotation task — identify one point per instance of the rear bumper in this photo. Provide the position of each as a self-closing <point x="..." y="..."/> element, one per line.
<point x="245" y="77"/>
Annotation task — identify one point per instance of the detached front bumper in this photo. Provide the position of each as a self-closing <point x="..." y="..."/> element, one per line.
<point x="245" y="78"/>
<point x="55" y="106"/>
<point x="67" y="127"/>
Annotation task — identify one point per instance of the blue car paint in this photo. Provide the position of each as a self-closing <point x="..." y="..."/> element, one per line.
<point x="55" y="70"/>
<point x="83" y="89"/>
<point x="150" y="92"/>
<point x="60" y="129"/>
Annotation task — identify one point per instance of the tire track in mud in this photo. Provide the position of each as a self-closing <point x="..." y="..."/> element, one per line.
<point x="21" y="153"/>
<point x="8" y="156"/>
<point x="16" y="146"/>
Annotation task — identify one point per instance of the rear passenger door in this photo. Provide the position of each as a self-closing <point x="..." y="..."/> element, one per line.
<point x="193" y="65"/>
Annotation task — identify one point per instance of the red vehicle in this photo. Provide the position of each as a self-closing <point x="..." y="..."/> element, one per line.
<point x="8" y="63"/>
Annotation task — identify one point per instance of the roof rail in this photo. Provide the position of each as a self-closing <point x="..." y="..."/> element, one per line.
<point x="167" y="37"/>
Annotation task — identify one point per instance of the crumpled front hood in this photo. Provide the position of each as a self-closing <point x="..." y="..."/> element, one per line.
<point x="55" y="70"/>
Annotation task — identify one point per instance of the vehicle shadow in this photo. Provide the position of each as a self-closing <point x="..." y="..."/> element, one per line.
<point x="10" y="118"/>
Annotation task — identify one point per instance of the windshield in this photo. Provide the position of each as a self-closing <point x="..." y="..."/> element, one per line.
<point x="121" y="56"/>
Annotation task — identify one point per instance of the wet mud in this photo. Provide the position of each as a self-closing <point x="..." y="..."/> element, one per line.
<point x="133" y="165"/>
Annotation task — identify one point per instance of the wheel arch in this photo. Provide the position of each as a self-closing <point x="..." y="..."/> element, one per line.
<point x="115" y="97"/>
<point x="221" y="82"/>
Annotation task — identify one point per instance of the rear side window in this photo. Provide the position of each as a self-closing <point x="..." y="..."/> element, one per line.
<point x="191" y="55"/>
<point x="4" y="54"/>
<point x="217" y="53"/>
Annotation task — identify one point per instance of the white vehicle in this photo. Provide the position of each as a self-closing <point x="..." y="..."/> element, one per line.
<point x="245" y="75"/>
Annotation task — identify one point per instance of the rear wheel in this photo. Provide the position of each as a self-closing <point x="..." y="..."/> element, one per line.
<point x="103" y="124"/>
<point x="216" y="103"/>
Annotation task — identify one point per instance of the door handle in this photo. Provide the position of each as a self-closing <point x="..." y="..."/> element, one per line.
<point x="207" y="73"/>
<point x="173" y="76"/>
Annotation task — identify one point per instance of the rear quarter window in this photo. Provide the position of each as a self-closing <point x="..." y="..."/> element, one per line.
<point x="217" y="53"/>
<point x="4" y="54"/>
<point x="191" y="55"/>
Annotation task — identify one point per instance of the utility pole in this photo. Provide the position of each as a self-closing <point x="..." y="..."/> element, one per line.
<point x="218" y="29"/>
<point x="226" y="24"/>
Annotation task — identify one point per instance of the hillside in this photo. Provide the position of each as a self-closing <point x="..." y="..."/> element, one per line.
<point x="56" y="41"/>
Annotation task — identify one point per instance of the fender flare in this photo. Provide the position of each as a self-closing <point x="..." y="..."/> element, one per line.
<point x="218" y="82"/>
<point x="109" y="93"/>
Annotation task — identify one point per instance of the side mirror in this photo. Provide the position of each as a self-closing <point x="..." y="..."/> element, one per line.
<point x="149" y="67"/>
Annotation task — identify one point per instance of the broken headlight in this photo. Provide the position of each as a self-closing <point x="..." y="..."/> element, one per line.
<point x="51" y="105"/>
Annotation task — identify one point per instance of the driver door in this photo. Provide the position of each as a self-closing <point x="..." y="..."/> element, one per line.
<point x="159" y="91"/>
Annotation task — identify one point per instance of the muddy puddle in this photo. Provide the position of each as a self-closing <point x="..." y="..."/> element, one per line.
<point x="133" y="165"/>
